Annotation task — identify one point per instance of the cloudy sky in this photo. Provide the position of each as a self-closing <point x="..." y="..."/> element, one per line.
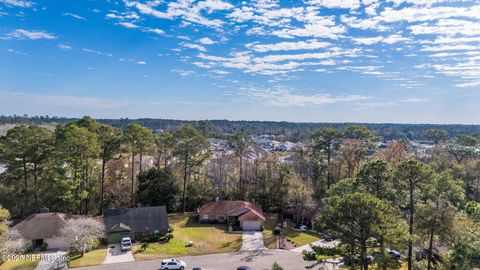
<point x="403" y="61"/>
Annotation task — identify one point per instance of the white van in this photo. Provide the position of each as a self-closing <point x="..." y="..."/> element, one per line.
<point x="126" y="244"/>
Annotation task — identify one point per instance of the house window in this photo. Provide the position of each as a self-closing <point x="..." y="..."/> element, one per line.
<point x="138" y="236"/>
<point x="205" y="217"/>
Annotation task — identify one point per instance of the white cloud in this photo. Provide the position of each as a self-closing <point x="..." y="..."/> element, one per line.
<point x="29" y="34"/>
<point x="128" y="25"/>
<point x="64" y="47"/>
<point x="18" y="3"/>
<point x="288" y="46"/>
<point x="389" y="39"/>
<point x="189" y="12"/>
<point x="281" y="97"/>
<point x="345" y="4"/>
<point x="450" y="48"/>
<point x="183" y="72"/>
<point x="73" y="15"/>
<point x="97" y="52"/>
<point x="206" y="41"/>
<point x="193" y="46"/>
<point x="130" y="15"/>
<point x="156" y="31"/>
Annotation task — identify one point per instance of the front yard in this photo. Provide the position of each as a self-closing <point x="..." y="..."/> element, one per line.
<point x="300" y="238"/>
<point x="207" y="239"/>
<point x="94" y="257"/>
<point x="19" y="265"/>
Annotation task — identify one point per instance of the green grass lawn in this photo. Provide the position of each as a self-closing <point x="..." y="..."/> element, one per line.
<point x="300" y="238"/>
<point x="94" y="257"/>
<point x="19" y="265"/>
<point x="207" y="239"/>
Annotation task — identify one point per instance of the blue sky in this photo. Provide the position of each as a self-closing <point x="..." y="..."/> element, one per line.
<point x="402" y="61"/>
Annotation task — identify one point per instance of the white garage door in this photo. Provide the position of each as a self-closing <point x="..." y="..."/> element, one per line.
<point x="251" y="225"/>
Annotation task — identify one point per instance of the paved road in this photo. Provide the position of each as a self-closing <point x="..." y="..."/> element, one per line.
<point x="252" y="241"/>
<point x="258" y="260"/>
<point x="116" y="255"/>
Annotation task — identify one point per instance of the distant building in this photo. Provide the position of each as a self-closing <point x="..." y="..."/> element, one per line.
<point x="239" y="214"/>
<point x="137" y="223"/>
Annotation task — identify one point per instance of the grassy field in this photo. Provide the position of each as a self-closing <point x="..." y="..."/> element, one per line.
<point x="19" y="265"/>
<point x="94" y="257"/>
<point x="207" y="239"/>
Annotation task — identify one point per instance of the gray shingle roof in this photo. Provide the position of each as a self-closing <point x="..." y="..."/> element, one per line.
<point x="42" y="225"/>
<point x="138" y="219"/>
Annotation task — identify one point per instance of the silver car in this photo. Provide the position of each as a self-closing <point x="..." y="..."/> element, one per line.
<point x="173" y="264"/>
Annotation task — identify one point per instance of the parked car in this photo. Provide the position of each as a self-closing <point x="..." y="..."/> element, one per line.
<point x="173" y="264"/>
<point x="244" y="268"/>
<point x="328" y="237"/>
<point x="196" y="268"/>
<point x="395" y="254"/>
<point x="126" y="244"/>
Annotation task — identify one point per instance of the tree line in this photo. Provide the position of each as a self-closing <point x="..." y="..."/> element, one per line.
<point x="284" y="130"/>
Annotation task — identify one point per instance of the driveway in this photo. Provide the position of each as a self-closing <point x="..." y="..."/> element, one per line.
<point x="252" y="241"/>
<point x="116" y="255"/>
<point x="223" y="261"/>
<point x="320" y="243"/>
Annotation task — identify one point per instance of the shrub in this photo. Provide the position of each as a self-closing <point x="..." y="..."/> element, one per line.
<point x="309" y="255"/>
<point x="168" y="237"/>
<point x="170" y="229"/>
<point x="277" y="230"/>
<point x="144" y="246"/>
<point x="276" y="266"/>
<point x="43" y="247"/>
<point x="325" y="250"/>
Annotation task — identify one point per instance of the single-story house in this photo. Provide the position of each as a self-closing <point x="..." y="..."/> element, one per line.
<point x="43" y="228"/>
<point x="240" y="215"/>
<point x="137" y="223"/>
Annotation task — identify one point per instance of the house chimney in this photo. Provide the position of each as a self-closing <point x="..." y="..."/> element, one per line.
<point x="44" y="210"/>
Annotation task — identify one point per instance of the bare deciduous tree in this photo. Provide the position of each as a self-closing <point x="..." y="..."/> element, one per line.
<point x="14" y="243"/>
<point x="82" y="234"/>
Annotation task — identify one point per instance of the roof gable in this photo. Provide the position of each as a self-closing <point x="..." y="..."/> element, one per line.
<point x="137" y="219"/>
<point x="232" y="208"/>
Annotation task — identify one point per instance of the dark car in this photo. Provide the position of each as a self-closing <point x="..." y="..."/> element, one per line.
<point x="196" y="268"/>
<point x="244" y="268"/>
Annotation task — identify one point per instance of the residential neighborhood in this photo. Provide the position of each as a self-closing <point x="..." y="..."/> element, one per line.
<point x="240" y="135"/>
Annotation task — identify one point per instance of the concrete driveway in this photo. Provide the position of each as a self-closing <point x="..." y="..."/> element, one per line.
<point x="116" y="255"/>
<point x="252" y="241"/>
